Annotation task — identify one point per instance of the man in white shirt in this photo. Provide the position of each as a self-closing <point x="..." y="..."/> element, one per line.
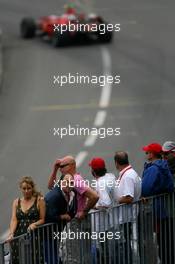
<point x="128" y="183"/>
<point x="102" y="220"/>
<point x="105" y="183"/>
<point x="127" y="191"/>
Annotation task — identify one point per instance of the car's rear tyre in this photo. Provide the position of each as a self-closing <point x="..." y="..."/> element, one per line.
<point x="28" y="28"/>
<point x="60" y="40"/>
<point x="106" y="37"/>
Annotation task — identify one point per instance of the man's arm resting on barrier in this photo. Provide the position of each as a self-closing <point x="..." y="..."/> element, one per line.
<point x="100" y="207"/>
<point x="125" y="199"/>
<point x="91" y="202"/>
<point x="65" y="217"/>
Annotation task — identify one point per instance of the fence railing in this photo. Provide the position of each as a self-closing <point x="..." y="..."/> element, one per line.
<point x="141" y="233"/>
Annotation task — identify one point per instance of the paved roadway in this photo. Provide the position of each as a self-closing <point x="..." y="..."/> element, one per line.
<point x="30" y="106"/>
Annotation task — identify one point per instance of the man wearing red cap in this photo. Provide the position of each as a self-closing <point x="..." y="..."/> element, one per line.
<point x="157" y="179"/>
<point x="102" y="221"/>
<point x="105" y="182"/>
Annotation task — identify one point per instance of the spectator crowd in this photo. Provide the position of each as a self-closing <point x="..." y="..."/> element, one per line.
<point x="71" y="199"/>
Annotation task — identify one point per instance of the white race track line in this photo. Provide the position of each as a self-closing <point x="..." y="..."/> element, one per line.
<point x="80" y="158"/>
<point x="99" y="121"/>
<point x="104" y="99"/>
<point x="90" y="140"/>
<point x="107" y="88"/>
<point x="100" y="118"/>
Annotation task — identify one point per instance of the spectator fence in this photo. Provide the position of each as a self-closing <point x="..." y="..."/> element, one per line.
<point x="140" y="233"/>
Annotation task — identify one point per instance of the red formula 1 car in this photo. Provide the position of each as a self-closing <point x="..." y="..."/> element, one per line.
<point x="63" y="30"/>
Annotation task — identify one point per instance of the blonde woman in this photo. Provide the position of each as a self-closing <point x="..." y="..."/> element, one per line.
<point x="28" y="212"/>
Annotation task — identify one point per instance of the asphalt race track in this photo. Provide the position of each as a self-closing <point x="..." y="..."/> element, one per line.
<point x="142" y="106"/>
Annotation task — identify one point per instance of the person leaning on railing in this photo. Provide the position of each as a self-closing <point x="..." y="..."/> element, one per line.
<point x="157" y="179"/>
<point x="28" y="212"/>
<point x="61" y="207"/>
<point x="127" y="191"/>
<point x="105" y="183"/>
<point x="102" y="221"/>
<point x="60" y="201"/>
<point x="86" y="199"/>
<point x="168" y="154"/>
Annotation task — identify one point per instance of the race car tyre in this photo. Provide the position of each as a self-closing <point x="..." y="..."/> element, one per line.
<point x="28" y="28"/>
<point x="60" y="40"/>
<point x="106" y="37"/>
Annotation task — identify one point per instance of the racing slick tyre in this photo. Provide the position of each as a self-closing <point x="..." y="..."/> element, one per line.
<point x="60" y="40"/>
<point x="28" y="28"/>
<point x="106" y="37"/>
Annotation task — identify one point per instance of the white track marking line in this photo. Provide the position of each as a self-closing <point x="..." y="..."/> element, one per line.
<point x="100" y="118"/>
<point x="103" y="103"/>
<point x="107" y="88"/>
<point x="90" y="140"/>
<point x="105" y="97"/>
<point x="81" y="157"/>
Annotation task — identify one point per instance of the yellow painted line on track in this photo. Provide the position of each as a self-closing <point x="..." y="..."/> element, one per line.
<point x="117" y="103"/>
<point x="63" y="107"/>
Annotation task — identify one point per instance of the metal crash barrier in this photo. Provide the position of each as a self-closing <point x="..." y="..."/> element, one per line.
<point x="139" y="233"/>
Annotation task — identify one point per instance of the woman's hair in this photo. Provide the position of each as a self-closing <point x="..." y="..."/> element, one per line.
<point x="29" y="180"/>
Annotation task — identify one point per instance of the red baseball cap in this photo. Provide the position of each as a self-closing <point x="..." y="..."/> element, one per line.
<point x="97" y="163"/>
<point x="153" y="147"/>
